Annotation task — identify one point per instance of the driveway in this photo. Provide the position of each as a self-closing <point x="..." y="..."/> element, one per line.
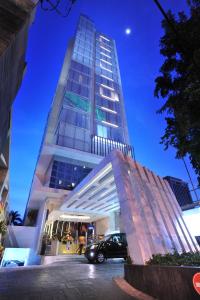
<point x="69" y="278"/>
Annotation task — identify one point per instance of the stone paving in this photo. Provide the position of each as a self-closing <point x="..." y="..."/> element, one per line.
<point x="72" y="278"/>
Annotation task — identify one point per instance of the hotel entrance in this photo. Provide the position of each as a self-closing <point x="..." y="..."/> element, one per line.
<point x="63" y="237"/>
<point x="74" y="237"/>
<point x="68" y="237"/>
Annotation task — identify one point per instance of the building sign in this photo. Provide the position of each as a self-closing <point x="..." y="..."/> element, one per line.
<point x="196" y="282"/>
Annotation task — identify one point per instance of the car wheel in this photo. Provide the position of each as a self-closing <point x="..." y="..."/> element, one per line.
<point x="100" y="257"/>
<point x="91" y="261"/>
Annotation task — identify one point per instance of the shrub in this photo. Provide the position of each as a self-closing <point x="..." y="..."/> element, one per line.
<point x="175" y="259"/>
<point x="3" y="227"/>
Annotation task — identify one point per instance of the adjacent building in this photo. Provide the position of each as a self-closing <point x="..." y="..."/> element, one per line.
<point x="15" y="20"/>
<point x="180" y="189"/>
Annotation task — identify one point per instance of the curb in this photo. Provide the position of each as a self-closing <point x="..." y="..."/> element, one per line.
<point x="130" y="290"/>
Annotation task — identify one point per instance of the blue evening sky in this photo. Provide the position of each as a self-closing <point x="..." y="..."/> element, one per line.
<point x="139" y="61"/>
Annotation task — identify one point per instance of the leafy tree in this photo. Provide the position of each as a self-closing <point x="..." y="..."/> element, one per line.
<point x="179" y="83"/>
<point x="14" y="218"/>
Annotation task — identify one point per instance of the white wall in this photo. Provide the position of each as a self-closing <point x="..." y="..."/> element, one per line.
<point x="192" y="219"/>
<point x="102" y="226"/>
<point x="21" y="236"/>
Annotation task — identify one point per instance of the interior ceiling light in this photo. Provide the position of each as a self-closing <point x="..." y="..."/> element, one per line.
<point x="75" y="217"/>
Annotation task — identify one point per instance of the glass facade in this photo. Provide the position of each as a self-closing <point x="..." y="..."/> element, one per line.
<point x="66" y="176"/>
<point x="92" y="103"/>
<point x="74" y="124"/>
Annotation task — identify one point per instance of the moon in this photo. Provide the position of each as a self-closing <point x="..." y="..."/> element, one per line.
<point x="128" y="31"/>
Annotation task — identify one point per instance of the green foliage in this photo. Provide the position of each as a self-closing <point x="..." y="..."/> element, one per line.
<point x="179" y="83"/>
<point x="175" y="259"/>
<point x="14" y="218"/>
<point x="3" y="227"/>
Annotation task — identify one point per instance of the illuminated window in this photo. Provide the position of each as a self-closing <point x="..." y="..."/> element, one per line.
<point x="102" y="131"/>
<point x="66" y="176"/>
<point x="77" y="101"/>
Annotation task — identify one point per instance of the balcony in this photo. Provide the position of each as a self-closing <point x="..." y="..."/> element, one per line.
<point x="97" y="145"/>
<point x="103" y="146"/>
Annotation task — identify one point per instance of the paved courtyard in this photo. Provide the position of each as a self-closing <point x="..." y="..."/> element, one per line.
<point x="68" y="278"/>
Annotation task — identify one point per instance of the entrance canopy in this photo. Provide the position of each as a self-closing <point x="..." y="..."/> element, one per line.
<point x="150" y="214"/>
<point x="95" y="197"/>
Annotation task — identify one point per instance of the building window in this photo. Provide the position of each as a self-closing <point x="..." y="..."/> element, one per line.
<point x="66" y="176"/>
<point x="102" y="131"/>
<point x="77" y="101"/>
<point x="75" y="118"/>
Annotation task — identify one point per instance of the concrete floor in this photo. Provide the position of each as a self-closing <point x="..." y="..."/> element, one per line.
<point x="67" y="277"/>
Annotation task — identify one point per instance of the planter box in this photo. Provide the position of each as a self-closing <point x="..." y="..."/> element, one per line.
<point x="163" y="282"/>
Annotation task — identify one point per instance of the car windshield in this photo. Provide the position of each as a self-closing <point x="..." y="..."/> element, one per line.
<point x="107" y="237"/>
<point x="116" y="238"/>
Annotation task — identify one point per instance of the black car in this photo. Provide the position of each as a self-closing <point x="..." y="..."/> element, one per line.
<point x="113" y="246"/>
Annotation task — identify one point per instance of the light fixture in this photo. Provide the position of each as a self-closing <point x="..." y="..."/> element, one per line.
<point x="108" y="110"/>
<point x="106" y="97"/>
<point x="107" y="87"/>
<point x="75" y="217"/>
<point x="107" y="169"/>
<point x="103" y="37"/>
<point x="105" y="61"/>
<point x="110" y="124"/>
<point x="105" y="55"/>
<point x="106" y="77"/>
<point x="105" y="49"/>
<point x="105" y="68"/>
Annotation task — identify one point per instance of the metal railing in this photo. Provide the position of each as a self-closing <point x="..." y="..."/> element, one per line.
<point x="103" y="146"/>
<point x="98" y="145"/>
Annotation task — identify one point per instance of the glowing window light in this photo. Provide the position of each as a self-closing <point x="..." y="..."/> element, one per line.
<point x="111" y="99"/>
<point x="105" y="68"/>
<point x="110" y="124"/>
<point x="104" y="48"/>
<point x="107" y="87"/>
<point x="105" y="61"/>
<point x="108" y="110"/>
<point x="105" y="55"/>
<point x="103" y="37"/>
<point x="106" y="77"/>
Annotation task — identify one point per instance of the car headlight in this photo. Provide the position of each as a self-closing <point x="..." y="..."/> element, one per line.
<point x="93" y="247"/>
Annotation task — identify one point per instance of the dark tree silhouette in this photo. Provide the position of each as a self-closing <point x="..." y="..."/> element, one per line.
<point x="179" y="83"/>
<point x="61" y="7"/>
<point x="14" y="218"/>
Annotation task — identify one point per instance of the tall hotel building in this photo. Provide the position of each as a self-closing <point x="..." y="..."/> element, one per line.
<point x="81" y="189"/>
<point x="85" y="123"/>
